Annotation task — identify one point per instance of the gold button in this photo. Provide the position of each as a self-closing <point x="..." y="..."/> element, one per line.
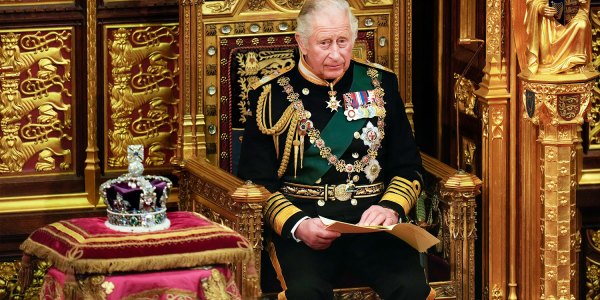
<point x="357" y="135"/>
<point x="305" y="91"/>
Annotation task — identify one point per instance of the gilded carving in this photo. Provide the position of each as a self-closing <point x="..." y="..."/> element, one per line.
<point x="142" y="92"/>
<point x="358" y="294"/>
<point x="252" y="66"/>
<point x="13" y="287"/>
<point x="444" y="290"/>
<point x="594" y="113"/>
<point x="485" y="122"/>
<point x="468" y="154"/>
<point x="290" y="4"/>
<point x="568" y="106"/>
<point x="459" y="191"/>
<point x="497" y="122"/>
<point x="493" y="29"/>
<point x="217" y="7"/>
<point x="559" y="109"/>
<point x="592" y="279"/>
<point x="497" y="293"/>
<point x="35" y="101"/>
<point x="256" y="5"/>
<point x="464" y="94"/>
<point x="34" y="2"/>
<point x="50" y="46"/>
<point x="556" y="100"/>
<point x="215" y="286"/>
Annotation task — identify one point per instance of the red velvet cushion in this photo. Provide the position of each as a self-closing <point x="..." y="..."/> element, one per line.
<point x="86" y="245"/>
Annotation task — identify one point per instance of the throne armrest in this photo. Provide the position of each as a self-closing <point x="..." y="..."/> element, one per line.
<point x="226" y="199"/>
<point x="458" y="206"/>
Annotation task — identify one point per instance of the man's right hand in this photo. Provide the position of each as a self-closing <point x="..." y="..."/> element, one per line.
<point x="313" y="233"/>
<point x="549" y="11"/>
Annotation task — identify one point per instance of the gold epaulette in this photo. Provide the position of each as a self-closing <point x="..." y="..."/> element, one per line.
<point x="269" y="77"/>
<point x="371" y="64"/>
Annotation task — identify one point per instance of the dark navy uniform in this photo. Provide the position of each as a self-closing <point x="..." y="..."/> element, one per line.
<point x="301" y="181"/>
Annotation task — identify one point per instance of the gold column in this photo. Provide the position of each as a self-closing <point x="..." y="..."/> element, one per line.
<point x="557" y="106"/>
<point x="493" y="96"/>
<point x="92" y="163"/>
<point x="460" y="191"/>
<point x="191" y="132"/>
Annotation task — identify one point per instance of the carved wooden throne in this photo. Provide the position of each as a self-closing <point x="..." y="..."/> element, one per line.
<point x="228" y="45"/>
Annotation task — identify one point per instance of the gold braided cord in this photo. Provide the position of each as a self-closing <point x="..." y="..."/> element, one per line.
<point x="289" y="119"/>
<point x="288" y="145"/>
<point x="281" y="125"/>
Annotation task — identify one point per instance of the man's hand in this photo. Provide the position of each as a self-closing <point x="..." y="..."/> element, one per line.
<point x="549" y="11"/>
<point x="313" y="233"/>
<point x="378" y="215"/>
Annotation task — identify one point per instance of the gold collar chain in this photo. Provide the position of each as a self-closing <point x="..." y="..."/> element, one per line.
<point x="305" y="127"/>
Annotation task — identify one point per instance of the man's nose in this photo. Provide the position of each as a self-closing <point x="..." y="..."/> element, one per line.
<point x="334" y="53"/>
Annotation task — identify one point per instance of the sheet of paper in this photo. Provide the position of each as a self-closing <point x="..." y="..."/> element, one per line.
<point x="412" y="234"/>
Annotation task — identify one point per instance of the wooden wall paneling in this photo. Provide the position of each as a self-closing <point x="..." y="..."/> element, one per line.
<point x="48" y="38"/>
<point x="28" y="202"/>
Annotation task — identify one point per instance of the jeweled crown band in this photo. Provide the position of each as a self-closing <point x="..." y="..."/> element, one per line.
<point x="143" y="221"/>
<point x="334" y="192"/>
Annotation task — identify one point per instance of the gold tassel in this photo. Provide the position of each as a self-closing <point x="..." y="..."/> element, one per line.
<point x="26" y="272"/>
<point x="276" y="142"/>
<point x="301" y="151"/>
<point x="70" y="288"/>
<point x="251" y="288"/>
<point x="296" y="144"/>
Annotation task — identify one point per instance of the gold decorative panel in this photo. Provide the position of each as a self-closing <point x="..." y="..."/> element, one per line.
<point x="34" y="2"/>
<point x="594" y="113"/>
<point x="592" y="264"/>
<point x="37" y="103"/>
<point x="141" y="92"/>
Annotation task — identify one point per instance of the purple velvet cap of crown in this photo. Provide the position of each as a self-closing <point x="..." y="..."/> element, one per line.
<point x="133" y="196"/>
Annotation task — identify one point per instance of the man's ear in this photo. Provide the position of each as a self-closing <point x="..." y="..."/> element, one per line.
<point x="300" y="43"/>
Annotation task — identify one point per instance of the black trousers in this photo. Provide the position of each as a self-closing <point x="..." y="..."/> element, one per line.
<point x="386" y="263"/>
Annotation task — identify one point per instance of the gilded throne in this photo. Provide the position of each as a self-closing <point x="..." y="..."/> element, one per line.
<point x="227" y="46"/>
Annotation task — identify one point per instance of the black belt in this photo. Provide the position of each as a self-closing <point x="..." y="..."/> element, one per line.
<point x="339" y="192"/>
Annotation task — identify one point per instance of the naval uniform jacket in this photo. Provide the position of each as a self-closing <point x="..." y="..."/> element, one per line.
<point x="398" y="155"/>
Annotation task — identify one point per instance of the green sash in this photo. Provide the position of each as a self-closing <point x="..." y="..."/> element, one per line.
<point x="338" y="134"/>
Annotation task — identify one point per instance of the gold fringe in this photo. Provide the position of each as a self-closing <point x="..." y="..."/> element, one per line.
<point x="251" y="285"/>
<point x="25" y="272"/>
<point x="139" y="264"/>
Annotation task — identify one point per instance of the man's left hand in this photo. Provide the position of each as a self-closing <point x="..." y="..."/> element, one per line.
<point x="378" y="215"/>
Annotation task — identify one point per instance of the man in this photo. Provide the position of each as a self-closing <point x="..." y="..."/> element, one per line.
<point x="331" y="139"/>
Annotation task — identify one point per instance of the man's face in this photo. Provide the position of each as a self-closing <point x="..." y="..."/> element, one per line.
<point x="328" y="50"/>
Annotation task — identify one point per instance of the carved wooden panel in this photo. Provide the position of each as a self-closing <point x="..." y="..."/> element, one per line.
<point x="7" y="3"/>
<point x="37" y="107"/>
<point x="141" y="92"/>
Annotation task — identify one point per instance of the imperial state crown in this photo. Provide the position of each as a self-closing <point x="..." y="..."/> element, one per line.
<point x="136" y="203"/>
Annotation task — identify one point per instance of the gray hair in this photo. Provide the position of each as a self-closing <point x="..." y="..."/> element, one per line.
<point x="304" y="23"/>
